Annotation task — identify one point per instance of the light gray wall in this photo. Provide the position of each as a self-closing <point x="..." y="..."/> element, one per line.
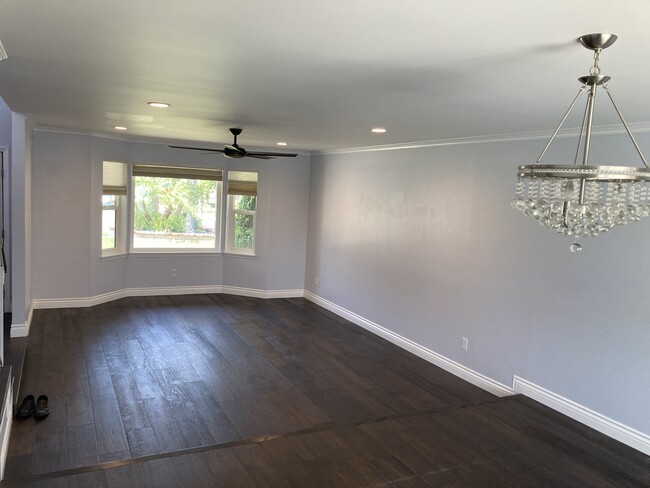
<point x="5" y="124"/>
<point x="20" y="164"/>
<point x="424" y="242"/>
<point x="61" y="215"/>
<point x="5" y="143"/>
<point x="67" y="181"/>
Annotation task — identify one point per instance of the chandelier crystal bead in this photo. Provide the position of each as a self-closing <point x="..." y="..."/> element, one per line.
<point x="582" y="200"/>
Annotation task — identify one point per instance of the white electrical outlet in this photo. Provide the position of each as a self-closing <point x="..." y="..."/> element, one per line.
<point x="174" y="272"/>
<point x="464" y="343"/>
<point x="317" y="281"/>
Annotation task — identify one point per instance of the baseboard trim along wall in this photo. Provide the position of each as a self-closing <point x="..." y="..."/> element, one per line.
<point x="44" y="303"/>
<point x="22" y="330"/>
<point x="612" y="428"/>
<point x="584" y="415"/>
<point x="571" y="409"/>
<point x="439" y="360"/>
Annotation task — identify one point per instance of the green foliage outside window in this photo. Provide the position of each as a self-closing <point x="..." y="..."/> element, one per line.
<point x="244" y="222"/>
<point x="172" y="204"/>
<point x="109" y="210"/>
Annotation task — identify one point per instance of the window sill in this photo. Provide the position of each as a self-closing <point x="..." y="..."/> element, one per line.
<point x="162" y="254"/>
<point x="239" y="255"/>
<point x="112" y="257"/>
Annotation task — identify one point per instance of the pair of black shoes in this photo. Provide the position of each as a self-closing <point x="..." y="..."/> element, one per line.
<point x="29" y="407"/>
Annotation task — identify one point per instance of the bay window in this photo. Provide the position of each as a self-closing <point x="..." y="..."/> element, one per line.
<point x="242" y="207"/>
<point x="175" y="209"/>
<point x="114" y="176"/>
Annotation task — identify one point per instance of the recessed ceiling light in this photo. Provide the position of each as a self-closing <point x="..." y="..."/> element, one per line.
<point x="281" y="143"/>
<point x="159" y="104"/>
<point x="378" y="130"/>
<point x="119" y="127"/>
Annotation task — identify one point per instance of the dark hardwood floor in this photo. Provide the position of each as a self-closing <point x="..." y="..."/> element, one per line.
<point x="219" y="390"/>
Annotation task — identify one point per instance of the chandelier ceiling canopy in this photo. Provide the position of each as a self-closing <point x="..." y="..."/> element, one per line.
<point x="580" y="199"/>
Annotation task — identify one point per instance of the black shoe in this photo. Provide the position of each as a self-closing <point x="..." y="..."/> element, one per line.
<point x="26" y="408"/>
<point x="42" y="410"/>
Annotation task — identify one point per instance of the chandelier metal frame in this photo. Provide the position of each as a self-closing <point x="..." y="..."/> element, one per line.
<point x="582" y="199"/>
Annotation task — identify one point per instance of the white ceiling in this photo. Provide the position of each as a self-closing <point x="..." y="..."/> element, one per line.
<point x="318" y="75"/>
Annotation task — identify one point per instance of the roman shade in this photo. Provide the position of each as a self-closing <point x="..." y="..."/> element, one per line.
<point x="114" y="178"/>
<point x="157" y="171"/>
<point x="242" y="183"/>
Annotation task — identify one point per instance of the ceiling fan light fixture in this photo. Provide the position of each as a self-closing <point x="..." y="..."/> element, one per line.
<point x="159" y="104"/>
<point x="579" y="199"/>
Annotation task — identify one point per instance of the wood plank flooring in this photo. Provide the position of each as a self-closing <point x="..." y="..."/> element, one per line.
<point x="220" y="390"/>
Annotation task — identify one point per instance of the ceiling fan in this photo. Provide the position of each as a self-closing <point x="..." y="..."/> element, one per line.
<point x="235" y="151"/>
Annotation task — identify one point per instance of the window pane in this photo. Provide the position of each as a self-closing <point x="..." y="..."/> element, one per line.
<point x="108" y="228"/>
<point x="244" y="202"/>
<point x="109" y="200"/>
<point x="244" y="230"/>
<point x="174" y="213"/>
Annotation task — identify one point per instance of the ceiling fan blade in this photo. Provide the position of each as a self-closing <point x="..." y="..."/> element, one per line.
<point x="258" y="156"/>
<point x="197" y="148"/>
<point x="272" y="154"/>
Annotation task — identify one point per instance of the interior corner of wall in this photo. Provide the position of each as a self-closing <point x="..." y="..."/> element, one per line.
<point x="22" y="329"/>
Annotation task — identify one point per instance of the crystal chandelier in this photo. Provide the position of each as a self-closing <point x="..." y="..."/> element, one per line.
<point x="579" y="199"/>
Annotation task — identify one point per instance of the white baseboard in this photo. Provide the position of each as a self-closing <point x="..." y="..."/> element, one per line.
<point x="439" y="360"/>
<point x="22" y="330"/>
<point x="266" y="294"/>
<point x="612" y="428"/>
<point x="44" y="303"/>
<point x="584" y="415"/>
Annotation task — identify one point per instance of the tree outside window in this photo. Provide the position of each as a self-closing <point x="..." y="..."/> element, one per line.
<point x="175" y="209"/>
<point x="242" y="208"/>
<point x="114" y="179"/>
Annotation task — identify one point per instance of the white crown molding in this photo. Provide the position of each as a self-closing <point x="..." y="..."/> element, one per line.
<point x="115" y="137"/>
<point x="439" y="360"/>
<point x="160" y="141"/>
<point x="601" y="423"/>
<point x="517" y="136"/>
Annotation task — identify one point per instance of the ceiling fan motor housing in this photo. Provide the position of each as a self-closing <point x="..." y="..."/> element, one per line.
<point x="234" y="151"/>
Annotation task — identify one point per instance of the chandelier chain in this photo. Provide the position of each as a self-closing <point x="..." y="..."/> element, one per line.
<point x="595" y="69"/>
<point x="583" y="200"/>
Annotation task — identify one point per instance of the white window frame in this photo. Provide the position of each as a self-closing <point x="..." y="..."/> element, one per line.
<point x="186" y="250"/>
<point x="120" y="207"/>
<point x="230" y="219"/>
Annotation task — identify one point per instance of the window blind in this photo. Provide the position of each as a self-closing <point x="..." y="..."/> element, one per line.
<point x="114" y="179"/>
<point x="177" y="172"/>
<point x="242" y="183"/>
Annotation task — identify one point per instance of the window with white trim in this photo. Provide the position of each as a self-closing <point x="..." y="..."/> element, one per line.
<point x="114" y="177"/>
<point x="242" y="208"/>
<point x="175" y="209"/>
